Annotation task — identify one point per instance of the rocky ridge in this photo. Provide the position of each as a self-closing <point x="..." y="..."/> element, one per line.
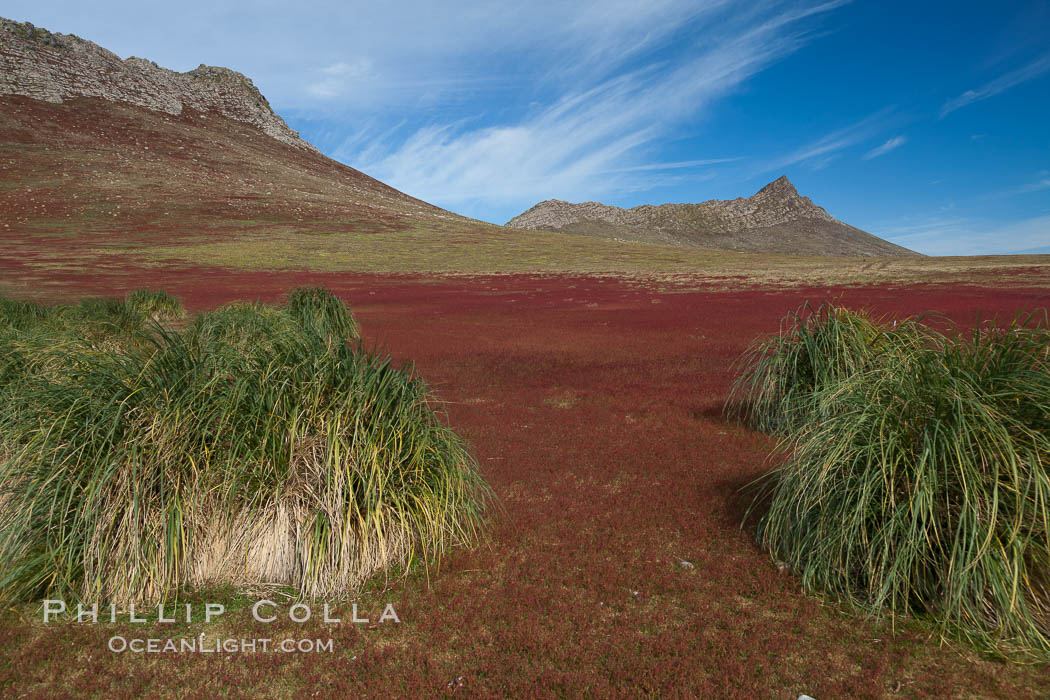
<point x="774" y="219"/>
<point x="54" y="67"/>
<point x="776" y="203"/>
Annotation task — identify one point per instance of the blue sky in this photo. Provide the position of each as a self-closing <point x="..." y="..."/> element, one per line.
<point x="923" y="122"/>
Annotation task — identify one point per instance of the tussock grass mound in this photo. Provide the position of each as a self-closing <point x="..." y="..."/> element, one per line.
<point x="156" y="304"/>
<point x="917" y="476"/>
<point x="781" y="376"/>
<point x="250" y="447"/>
<point x="241" y="327"/>
<point x="21" y="315"/>
<point x="318" y="308"/>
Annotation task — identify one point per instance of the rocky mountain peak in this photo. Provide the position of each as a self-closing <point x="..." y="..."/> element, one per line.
<point x="54" y="67"/>
<point x="779" y="202"/>
<point x="780" y="188"/>
<point x="27" y="32"/>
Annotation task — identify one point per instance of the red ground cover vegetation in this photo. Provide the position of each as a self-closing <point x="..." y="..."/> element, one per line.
<point x="594" y="407"/>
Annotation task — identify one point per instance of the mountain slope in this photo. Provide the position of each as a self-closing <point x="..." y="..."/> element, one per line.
<point x="126" y="150"/>
<point x="54" y="67"/>
<point x="776" y="219"/>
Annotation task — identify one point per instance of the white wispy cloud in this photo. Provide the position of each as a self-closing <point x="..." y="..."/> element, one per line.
<point x="674" y="166"/>
<point x="895" y="142"/>
<point x="1037" y="186"/>
<point x="1040" y="183"/>
<point x="821" y="163"/>
<point x="584" y="141"/>
<point x="966" y="236"/>
<point x="1000" y="84"/>
<point x="818" y="154"/>
<point x="419" y="53"/>
<point x="339" y="76"/>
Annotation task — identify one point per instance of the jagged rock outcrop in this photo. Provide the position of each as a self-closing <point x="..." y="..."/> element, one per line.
<point x="776" y="219"/>
<point x="55" y="67"/>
